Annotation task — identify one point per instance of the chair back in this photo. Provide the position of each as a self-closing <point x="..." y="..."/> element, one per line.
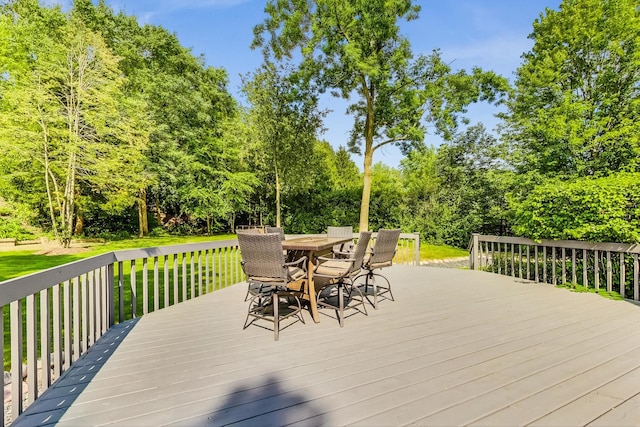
<point x="277" y="230"/>
<point x="384" y="248"/>
<point x="339" y="231"/>
<point x="262" y="255"/>
<point x="249" y="231"/>
<point x="360" y="250"/>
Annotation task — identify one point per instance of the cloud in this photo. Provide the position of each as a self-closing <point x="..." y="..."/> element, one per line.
<point x="501" y="54"/>
<point x="147" y="10"/>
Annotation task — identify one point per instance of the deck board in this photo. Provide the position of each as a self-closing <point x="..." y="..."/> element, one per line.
<point x="457" y="347"/>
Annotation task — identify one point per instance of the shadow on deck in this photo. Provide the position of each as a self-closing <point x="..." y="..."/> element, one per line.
<point x="457" y="347"/>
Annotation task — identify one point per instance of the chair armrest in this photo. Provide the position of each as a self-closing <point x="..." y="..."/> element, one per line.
<point x="325" y="259"/>
<point x="296" y="262"/>
<point x="344" y="254"/>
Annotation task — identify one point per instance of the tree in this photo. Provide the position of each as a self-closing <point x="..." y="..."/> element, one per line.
<point x="67" y="110"/>
<point x="575" y="111"/>
<point x="474" y="180"/>
<point x="286" y="120"/>
<point x="355" y="49"/>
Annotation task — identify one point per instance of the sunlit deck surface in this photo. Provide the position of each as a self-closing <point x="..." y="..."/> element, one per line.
<point x="457" y="347"/>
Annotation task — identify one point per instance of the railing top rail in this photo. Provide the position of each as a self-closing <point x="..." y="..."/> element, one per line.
<point x="20" y="287"/>
<point x="159" y="251"/>
<point x="632" y="248"/>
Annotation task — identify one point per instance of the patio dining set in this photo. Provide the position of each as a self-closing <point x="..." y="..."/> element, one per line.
<point x="326" y="272"/>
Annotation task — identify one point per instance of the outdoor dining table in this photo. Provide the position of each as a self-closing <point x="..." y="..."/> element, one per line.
<point x="313" y="247"/>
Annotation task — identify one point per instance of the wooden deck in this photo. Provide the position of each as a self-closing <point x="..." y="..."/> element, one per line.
<point x="458" y="347"/>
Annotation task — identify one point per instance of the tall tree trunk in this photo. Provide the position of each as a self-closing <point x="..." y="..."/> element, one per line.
<point x="68" y="204"/>
<point x="79" y="228"/>
<point x="143" y="221"/>
<point x="47" y="178"/>
<point x="368" y="161"/>
<point x="158" y="216"/>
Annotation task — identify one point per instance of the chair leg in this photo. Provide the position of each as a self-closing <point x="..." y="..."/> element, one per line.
<point x="341" y="304"/>
<point x="276" y="317"/>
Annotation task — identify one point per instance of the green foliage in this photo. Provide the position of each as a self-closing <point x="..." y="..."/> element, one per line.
<point x="593" y="209"/>
<point x="575" y="287"/>
<point x="12" y="228"/>
<point x="575" y="109"/>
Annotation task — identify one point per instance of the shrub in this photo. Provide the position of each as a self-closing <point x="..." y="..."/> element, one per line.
<point x="592" y="209"/>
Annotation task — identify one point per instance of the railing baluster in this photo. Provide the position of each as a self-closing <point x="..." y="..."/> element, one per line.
<point x="67" y="327"/>
<point x="121" y="292"/>
<point x="499" y="260"/>
<point x="573" y="266"/>
<point x="528" y="263"/>
<point x="564" y="266"/>
<point x="636" y="272"/>
<point x="32" y="349"/>
<point x="596" y="269"/>
<point x="609" y="273"/>
<point x="214" y="273"/>
<point x="92" y="309"/>
<point x="536" y="264"/>
<point x="184" y="277"/>
<point x="623" y="279"/>
<point x="553" y="266"/>
<point x="206" y="271"/>
<point x="199" y="273"/>
<point x="176" y="297"/>
<point x="585" y="272"/>
<point x="220" y="271"/>
<point x="45" y="338"/>
<point x="145" y="287"/>
<point x="166" y="281"/>
<point x="110" y="293"/>
<point x="193" y="275"/>
<point x="156" y="284"/>
<point x="16" y="358"/>
<point x="76" y="318"/>
<point x="513" y="254"/>
<point x="520" y="261"/>
<point x="105" y="299"/>
<point x="226" y="267"/>
<point x="544" y="264"/>
<point x="133" y="288"/>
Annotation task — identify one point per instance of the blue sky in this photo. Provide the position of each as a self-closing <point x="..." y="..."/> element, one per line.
<point x="491" y="34"/>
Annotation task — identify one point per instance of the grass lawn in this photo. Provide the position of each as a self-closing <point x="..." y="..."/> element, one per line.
<point x="431" y="252"/>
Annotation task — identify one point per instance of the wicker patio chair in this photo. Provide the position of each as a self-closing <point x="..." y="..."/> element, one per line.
<point x="381" y="255"/>
<point x="342" y="250"/>
<point x="278" y="230"/>
<point x="264" y="264"/>
<point x="334" y="280"/>
<point x="254" y="288"/>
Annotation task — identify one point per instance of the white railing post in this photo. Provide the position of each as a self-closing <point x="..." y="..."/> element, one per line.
<point x="416" y="259"/>
<point x="473" y="262"/>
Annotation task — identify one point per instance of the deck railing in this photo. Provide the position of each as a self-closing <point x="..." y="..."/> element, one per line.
<point x="56" y="315"/>
<point x="607" y="266"/>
